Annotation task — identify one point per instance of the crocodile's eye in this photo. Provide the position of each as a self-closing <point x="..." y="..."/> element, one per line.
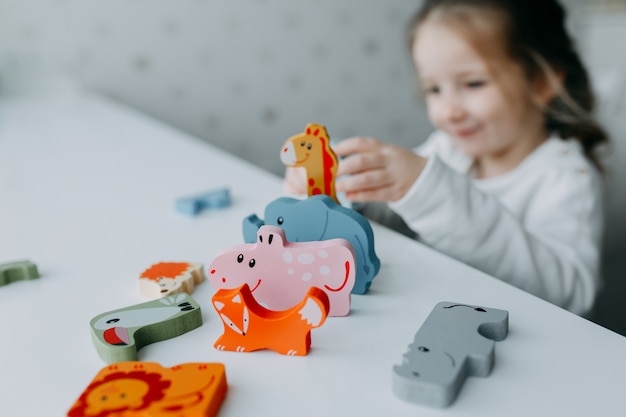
<point x="280" y="220"/>
<point x="112" y="321"/>
<point x="251" y="263"/>
<point x="240" y="258"/>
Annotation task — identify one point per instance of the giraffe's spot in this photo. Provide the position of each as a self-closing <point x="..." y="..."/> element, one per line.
<point x="311" y="182"/>
<point x="316" y="191"/>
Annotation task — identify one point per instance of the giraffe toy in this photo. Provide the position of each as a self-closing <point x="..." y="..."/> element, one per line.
<point x="311" y="150"/>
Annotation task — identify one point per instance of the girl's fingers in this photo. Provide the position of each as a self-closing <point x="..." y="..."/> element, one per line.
<point x="353" y="145"/>
<point x="367" y="180"/>
<point x="360" y="162"/>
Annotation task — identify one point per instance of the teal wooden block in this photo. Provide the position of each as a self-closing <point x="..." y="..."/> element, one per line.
<point x="119" y="334"/>
<point x="17" y="271"/>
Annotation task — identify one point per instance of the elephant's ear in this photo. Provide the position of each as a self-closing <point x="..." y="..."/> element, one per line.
<point x="251" y="226"/>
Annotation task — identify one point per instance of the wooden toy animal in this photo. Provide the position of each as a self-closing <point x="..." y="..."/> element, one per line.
<point x="17" y="271"/>
<point x="280" y="272"/>
<point x="142" y="389"/>
<point x="320" y="218"/>
<point x="213" y="199"/>
<point x="119" y="334"/>
<point x="455" y="341"/>
<point x="249" y="326"/>
<point x="311" y="150"/>
<point x="167" y="278"/>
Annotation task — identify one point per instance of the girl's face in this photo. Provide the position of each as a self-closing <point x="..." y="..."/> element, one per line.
<point x="487" y="109"/>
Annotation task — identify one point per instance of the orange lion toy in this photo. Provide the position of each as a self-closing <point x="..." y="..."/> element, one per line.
<point x="139" y="389"/>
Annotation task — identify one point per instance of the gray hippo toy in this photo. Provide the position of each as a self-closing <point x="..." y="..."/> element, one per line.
<point x="318" y="218"/>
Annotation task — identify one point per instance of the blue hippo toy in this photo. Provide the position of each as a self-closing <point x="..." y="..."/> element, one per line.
<point x="318" y="218"/>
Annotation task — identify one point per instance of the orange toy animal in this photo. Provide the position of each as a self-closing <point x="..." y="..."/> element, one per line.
<point x="249" y="326"/>
<point x="167" y="278"/>
<point x="312" y="151"/>
<point x="141" y="389"/>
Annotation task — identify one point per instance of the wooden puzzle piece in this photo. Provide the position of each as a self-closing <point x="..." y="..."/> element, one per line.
<point x="319" y="218"/>
<point x="119" y="334"/>
<point x="213" y="199"/>
<point x="167" y="278"/>
<point x="455" y="341"/>
<point x="311" y="150"/>
<point x="249" y="326"/>
<point x="280" y="272"/>
<point x="17" y="271"/>
<point x="142" y="389"/>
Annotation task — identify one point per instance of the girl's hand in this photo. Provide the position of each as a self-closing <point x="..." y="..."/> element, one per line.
<point x="295" y="180"/>
<point x="377" y="171"/>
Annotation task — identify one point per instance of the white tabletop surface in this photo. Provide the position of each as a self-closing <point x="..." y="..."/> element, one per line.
<point x="87" y="191"/>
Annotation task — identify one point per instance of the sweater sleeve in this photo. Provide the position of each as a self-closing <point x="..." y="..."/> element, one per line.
<point x="552" y="252"/>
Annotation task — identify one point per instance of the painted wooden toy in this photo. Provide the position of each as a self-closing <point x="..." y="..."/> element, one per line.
<point x="320" y="218"/>
<point x="167" y="278"/>
<point x="455" y="341"/>
<point x="249" y="326"/>
<point x="119" y="334"/>
<point x="17" y="271"/>
<point x="280" y="272"/>
<point x="142" y="389"/>
<point x="213" y="199"/>
<point x="311" y="150"/>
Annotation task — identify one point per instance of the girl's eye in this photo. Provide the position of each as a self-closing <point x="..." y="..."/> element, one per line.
<point x="432" y="90"/>
<point x="475" y="83"/>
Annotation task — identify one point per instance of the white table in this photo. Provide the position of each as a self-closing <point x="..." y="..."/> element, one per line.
<point x="87" y="190"/>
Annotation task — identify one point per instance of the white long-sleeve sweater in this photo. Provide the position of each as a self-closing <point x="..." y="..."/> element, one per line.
<point x="537" y="227"/>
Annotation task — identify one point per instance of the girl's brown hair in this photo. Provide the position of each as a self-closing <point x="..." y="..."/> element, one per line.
<point x="536" y="37"/>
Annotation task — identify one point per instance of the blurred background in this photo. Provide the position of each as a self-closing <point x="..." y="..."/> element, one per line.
<point x="245" y="75"/>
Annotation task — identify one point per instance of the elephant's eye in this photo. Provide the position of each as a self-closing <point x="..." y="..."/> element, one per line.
<point x="240" y="258"/>
<point x="252" y="263"/>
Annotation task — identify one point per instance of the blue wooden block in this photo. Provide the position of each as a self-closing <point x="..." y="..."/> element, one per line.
<point x="318" y="218"/>
<point x="455" y="341"/>
<point x="213" y="199"/>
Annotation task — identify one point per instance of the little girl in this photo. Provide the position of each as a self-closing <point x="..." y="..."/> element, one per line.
<point x="509" y="182"/>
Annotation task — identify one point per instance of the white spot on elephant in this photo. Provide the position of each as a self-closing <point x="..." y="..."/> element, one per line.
<point x="322" y="253"/>
<point x="306" y="276"/>
<point x="325" y="270"/>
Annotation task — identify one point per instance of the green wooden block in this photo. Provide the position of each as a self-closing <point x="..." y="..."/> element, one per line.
<point x="17" y="271"/>
<point x="119" y="334"/>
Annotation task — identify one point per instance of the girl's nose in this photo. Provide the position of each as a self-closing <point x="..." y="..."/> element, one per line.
<point x="451" y="108"/>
